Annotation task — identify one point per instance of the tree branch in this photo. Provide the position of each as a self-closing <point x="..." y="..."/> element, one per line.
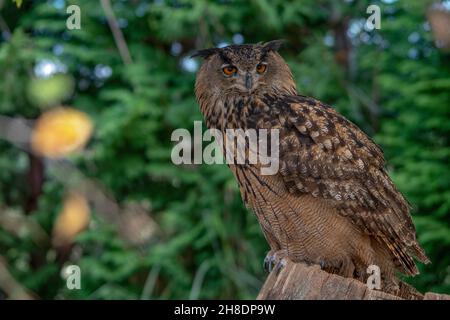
<point x="117" y="33"/>
<point x="297" y="281"/>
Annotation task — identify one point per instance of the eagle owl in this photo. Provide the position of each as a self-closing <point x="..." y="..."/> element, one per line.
<point x="331" y="202"/>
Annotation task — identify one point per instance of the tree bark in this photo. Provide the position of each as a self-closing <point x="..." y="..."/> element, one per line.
<point x="297" y="281"/>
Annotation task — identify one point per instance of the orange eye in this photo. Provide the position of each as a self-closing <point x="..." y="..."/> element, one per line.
<point x="260" y="68"/>
<point x="229" y="70"/>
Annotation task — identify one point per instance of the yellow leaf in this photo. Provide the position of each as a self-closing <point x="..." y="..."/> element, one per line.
<point x="60" y="132"/>
<point x="18" y="3"/>
<point x="49" y="92"/>
<point x="73" y="218"/>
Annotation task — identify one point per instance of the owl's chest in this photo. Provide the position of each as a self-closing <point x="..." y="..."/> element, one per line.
<point x="246" y="114"/>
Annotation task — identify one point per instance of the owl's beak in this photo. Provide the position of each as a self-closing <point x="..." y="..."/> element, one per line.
<point x="248" y="81"/>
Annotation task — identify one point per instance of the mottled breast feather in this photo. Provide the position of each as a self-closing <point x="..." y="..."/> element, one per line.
<point x="327" y="156"/>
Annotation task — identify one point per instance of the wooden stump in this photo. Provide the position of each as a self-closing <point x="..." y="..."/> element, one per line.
<point x="297" y="281"/>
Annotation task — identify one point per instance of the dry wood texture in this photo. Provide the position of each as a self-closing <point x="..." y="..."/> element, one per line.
<point x="297" y="281"/>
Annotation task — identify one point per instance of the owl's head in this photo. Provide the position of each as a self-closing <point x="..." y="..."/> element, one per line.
<point x="248" y="69"/>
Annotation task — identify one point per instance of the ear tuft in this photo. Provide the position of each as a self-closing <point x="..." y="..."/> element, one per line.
<point x="273" y="45"/>
<point x="205" y="53"/>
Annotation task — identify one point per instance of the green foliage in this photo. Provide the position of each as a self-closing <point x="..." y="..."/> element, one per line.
<point x="396" y="86"/>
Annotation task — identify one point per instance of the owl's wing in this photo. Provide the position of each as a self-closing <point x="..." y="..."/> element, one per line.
<point x="325" y="155"/>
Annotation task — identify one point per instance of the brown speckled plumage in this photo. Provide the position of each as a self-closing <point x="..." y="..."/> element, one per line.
<point x="332" y="202"/>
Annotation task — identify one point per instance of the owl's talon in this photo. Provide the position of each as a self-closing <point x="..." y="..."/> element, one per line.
<point x="274" y="260"/>
<point x="280" y="265"/>
<point x="266" y="263"/>
<point x="322" y="265"/>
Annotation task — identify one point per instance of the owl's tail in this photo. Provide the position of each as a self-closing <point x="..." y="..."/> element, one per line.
<point x="419" y="253"/>
<point x="408" y="292"/>
<point x="405" y="291"/>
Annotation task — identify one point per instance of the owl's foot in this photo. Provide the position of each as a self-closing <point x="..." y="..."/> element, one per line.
<point x="274" y="260"/>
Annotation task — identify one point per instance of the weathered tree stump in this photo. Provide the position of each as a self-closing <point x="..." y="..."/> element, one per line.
<point x="298" y="281"/>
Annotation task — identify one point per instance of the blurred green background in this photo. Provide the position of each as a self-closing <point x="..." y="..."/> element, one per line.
<point x="163" y="231"/>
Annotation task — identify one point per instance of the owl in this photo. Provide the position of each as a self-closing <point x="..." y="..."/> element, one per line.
<point x="331" y="202"/>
